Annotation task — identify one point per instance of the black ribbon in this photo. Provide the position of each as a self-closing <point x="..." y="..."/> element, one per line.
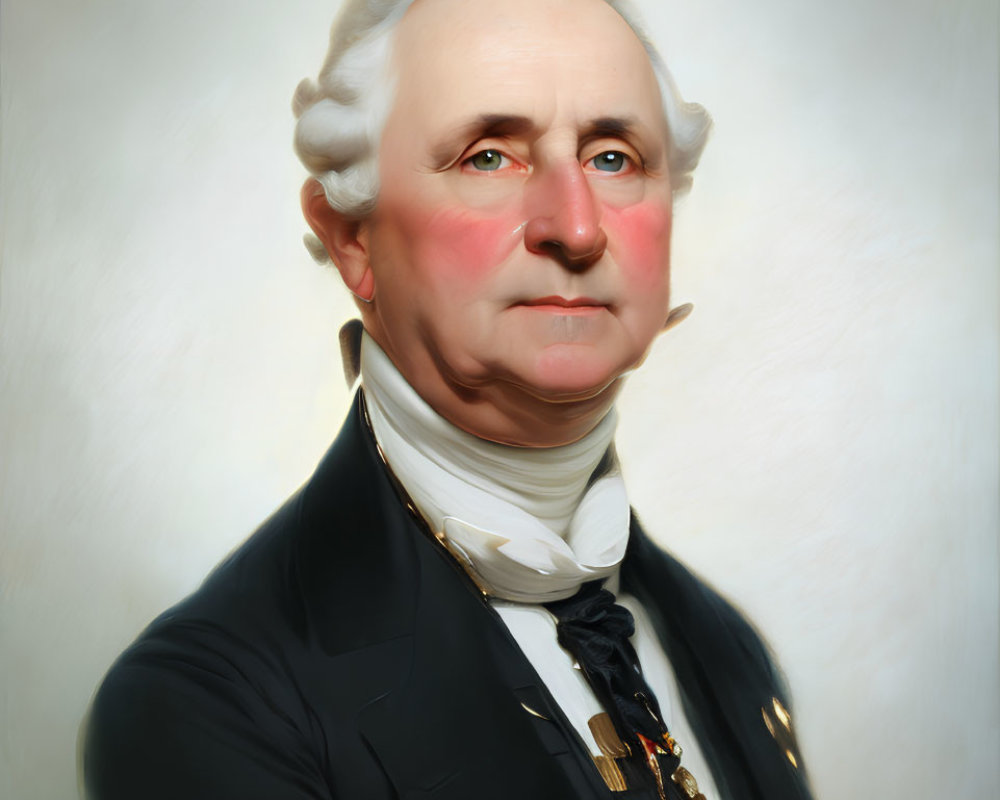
<point x="596" y="631"/>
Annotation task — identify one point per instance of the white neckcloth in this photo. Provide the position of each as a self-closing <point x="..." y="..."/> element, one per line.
<point x="468" y="488"/>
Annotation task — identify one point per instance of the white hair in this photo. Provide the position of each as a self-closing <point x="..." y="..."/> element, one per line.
<point x="342" y="113"/>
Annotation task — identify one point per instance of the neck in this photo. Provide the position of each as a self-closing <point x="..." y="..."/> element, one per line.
<point x="503" y="411"/>
<point x="506" y="414"/>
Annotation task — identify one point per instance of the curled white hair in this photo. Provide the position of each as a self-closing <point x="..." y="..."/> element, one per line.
<point x="342" y="113"/>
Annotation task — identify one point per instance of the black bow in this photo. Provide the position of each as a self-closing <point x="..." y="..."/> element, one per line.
<point x="596" y="631"/>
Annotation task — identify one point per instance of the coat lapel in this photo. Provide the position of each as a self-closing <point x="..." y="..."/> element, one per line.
<point x="442" y="701"/>
<point x="455" y="723"/>
<point x="727" y="679"/>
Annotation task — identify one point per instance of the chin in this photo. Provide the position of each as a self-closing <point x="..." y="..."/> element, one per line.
<point x="569" y="373"/>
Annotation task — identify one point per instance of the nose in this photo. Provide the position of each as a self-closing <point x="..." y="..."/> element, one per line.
<point x="564" y="219"/>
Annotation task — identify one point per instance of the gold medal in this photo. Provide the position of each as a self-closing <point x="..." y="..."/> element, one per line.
<point x="685" y="780"/>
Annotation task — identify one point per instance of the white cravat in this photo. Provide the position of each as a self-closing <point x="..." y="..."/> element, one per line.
<point x="532" y="524"/>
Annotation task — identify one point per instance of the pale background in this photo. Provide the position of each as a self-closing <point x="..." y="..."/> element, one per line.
<point x="820" y="438"/>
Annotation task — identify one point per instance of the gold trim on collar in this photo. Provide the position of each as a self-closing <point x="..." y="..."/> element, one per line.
<point x="436" y="535"/>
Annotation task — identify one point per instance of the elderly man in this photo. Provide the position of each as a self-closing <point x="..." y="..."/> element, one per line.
<point x="458" y="603"/>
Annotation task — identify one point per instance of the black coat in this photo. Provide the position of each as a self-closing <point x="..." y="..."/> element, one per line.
<point x="341" y="653"/>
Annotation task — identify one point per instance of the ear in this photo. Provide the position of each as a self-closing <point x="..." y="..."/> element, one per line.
<point x="344" y="238"/>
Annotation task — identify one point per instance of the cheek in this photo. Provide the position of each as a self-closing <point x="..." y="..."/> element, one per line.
<point x="465" y="246"/>
<point x="639" y="238"/>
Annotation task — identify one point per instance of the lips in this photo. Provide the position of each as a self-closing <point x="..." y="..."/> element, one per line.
<point x="562" y="302"/>
<point x="554" y="304"/>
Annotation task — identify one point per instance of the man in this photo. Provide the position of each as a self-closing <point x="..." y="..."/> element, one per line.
<point x="458" y="603"/>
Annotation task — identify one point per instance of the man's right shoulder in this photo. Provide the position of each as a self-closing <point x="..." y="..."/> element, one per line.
<point x="203" y="684"/>
<point x="248" y="681"/>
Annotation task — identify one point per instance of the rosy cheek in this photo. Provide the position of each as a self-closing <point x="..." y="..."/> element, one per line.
<point x="465" y="245"/>
<point x="639" y="237"/>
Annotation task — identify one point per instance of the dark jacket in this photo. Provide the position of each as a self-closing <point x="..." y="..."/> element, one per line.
<point x="341" y="653"/>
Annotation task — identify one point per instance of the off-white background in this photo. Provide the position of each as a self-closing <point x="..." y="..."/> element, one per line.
<point x="820" y="438"/>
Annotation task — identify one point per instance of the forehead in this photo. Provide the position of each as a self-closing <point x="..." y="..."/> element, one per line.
<point x="540" y="58"/>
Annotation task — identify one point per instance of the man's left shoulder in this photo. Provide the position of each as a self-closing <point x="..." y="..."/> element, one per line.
<point x="687" y="606"/>
<point x="732" y="688"/>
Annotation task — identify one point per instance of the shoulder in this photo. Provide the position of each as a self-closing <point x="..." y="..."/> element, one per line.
<point x="188" y="724"/>
<point x="228" y="693"/>
<point x="207" y="684"/>
<point x="691" y="611"/>
<point x="732" y="688"/>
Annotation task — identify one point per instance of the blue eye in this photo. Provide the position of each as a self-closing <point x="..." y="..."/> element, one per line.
<point x="487" y="160"/>
<point x="611" y="161"/>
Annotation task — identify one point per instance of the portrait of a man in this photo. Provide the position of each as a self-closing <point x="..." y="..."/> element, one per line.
<point x="565" y="543"/>
<point x="465" y="552"/>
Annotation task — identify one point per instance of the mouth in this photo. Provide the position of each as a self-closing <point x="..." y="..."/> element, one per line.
<point x="554" y="304"/>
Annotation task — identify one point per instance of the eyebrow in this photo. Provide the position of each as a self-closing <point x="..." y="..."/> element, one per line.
<point x="482" y="126"/>
<point x="609" y="126"/>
